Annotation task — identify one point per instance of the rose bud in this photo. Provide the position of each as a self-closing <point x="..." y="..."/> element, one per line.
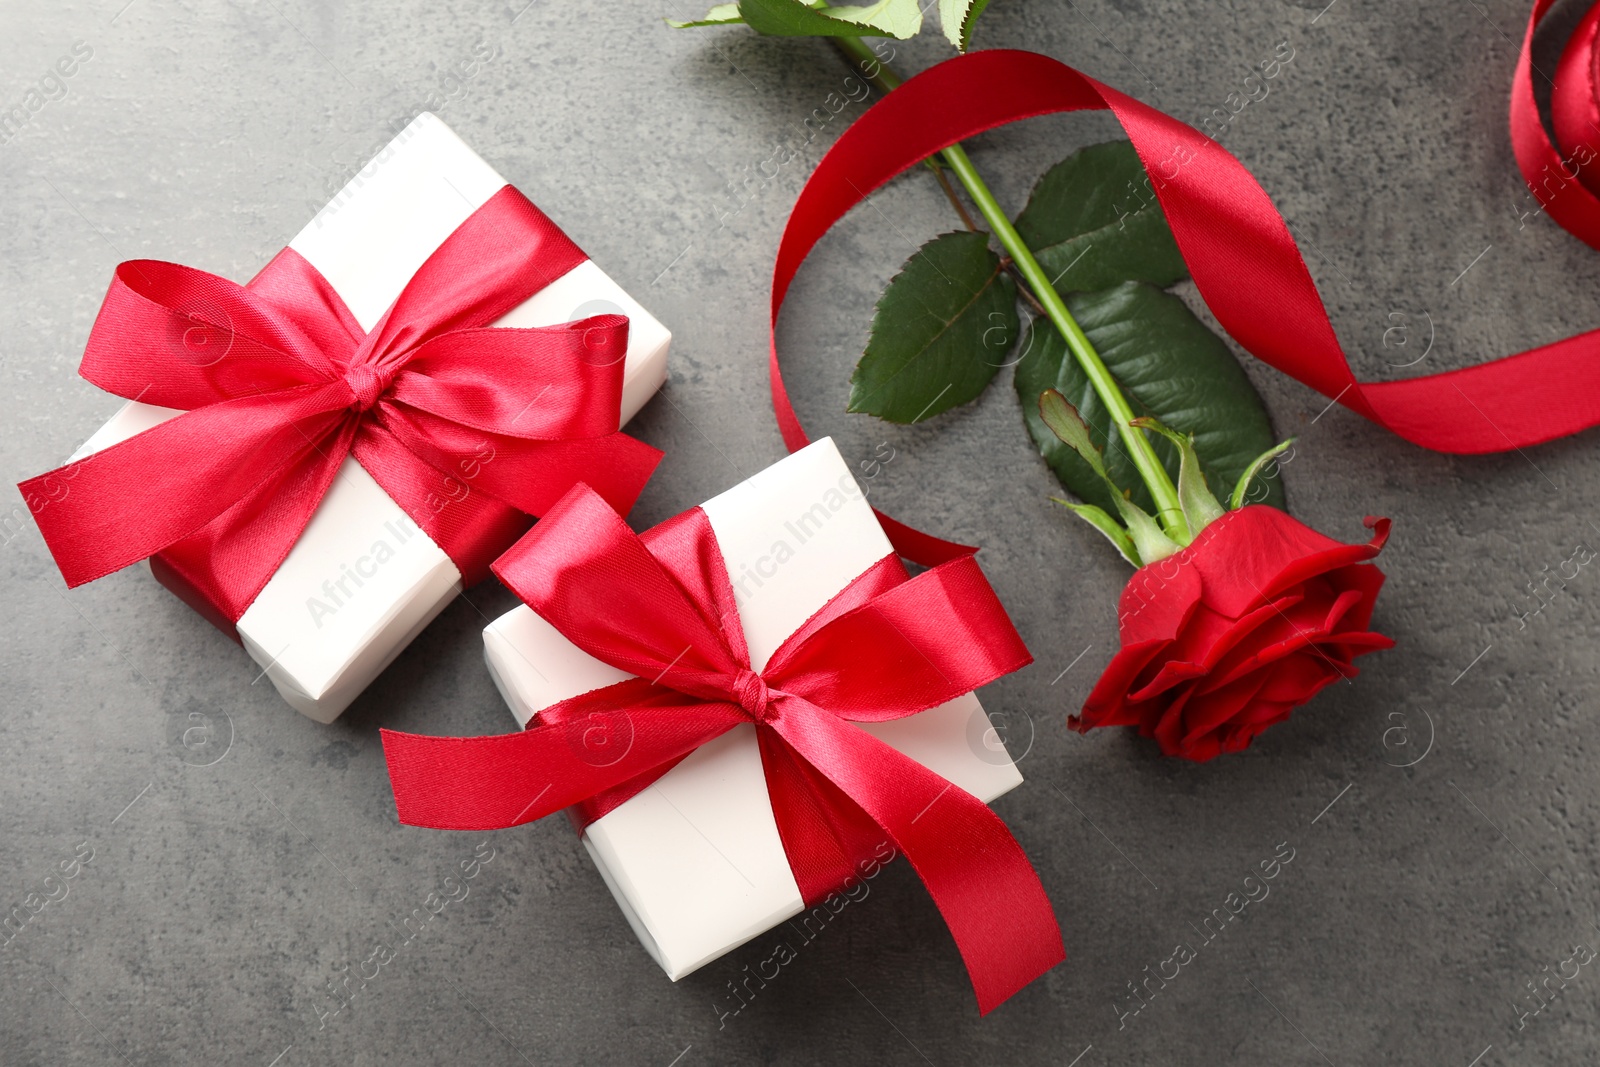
<point x="1234" y="617"/>
<point x="1229" y="635"/>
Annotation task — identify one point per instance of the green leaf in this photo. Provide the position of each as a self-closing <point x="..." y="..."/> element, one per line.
<point x="792" y="18"/>
<point x="957" y="17"/>
<point x="940" y="331"/>
<point x="721" y="15"/>
<point x="1200" y="507"/>
<point x="1243" y="487"/>
<point x="1068" y="426"/>
<point x="1092" y="222"/>
<point x="1106" y="525"/>
<point x="1170" y="367"/>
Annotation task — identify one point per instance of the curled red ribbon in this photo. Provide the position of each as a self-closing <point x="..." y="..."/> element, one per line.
<point x="219" y="494"/>
<point x="1239" y="250"/>
<point x="1555" y="171"/>
<point x="661" y="606"/>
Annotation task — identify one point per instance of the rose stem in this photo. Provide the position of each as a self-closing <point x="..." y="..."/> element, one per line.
<point x="1105" y="386"/>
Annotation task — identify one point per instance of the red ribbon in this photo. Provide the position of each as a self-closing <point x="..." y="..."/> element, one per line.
<point x="1555" y="175"/>
<point x="661" y="606"/>
<point x="431" y="402"/>
<point x="1239" y="250"/>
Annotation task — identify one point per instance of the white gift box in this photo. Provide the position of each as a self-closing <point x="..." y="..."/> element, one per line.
<point x="368" y="242"/>
<point x="695" y="860"/>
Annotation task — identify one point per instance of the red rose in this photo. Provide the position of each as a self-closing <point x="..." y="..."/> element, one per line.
<point x="1229" y="635"/>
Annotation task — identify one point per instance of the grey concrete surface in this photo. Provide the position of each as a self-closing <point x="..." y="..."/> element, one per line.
<point x="238" y="871"/>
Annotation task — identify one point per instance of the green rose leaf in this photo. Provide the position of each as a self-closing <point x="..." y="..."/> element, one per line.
<point x="1092" y="222"/>
<point x="721" y="15"/>
<point x="794" y="18"/>
<point x="940" y="331"/>
<point x="957" y="17"/>
<point x="1171" y="368"/>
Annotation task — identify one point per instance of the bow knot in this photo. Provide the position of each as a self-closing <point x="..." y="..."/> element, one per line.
<point x="751" y="693"/>
<point x="366" y="386"/>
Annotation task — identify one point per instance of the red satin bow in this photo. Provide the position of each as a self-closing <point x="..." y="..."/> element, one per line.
<point x="278" y="384"/>
<point x="1239" y="250"/>
<point x="661" y="606"/>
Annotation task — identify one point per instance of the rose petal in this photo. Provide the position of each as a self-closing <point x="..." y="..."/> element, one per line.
<point x="1274" y="624"/>
<point x="1168" y="727"/>
<point x="1203" y="750"/>
<point x="1366" y="579"/>
<point x="1209" y="711"/>
<point x="1240" y="556"/>
<point x="1107" y="702"/>
<point x="1172" y="674"/>
<point x="1294" y="678"/>
<point x="1339" y="558"/>
<point x="1239" y="735"/>
<point x="1230" y="635"/>
<point x="1157" y="601"/>
<point x="1342" y="605"/>
<point x="1357" y="644"/>
<point x="1280" y="634"/>
<point x="1258" y="552"/>
<point x="1221" y="640"/>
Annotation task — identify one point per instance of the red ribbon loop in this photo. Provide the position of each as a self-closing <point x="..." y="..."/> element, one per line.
<point x="1560" y="174"/>
<point x="1239" y="250"/>
<point x="661" y="606"/>
<point x="469" y="428"/>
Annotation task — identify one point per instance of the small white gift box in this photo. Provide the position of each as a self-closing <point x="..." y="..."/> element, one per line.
<point x="695" y="860"/>
<point x="363" y="580"/>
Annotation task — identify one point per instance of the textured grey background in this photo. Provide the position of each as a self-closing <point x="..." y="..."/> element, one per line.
<point x="234" y="876"/>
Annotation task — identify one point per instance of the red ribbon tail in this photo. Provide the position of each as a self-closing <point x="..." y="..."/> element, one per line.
<point x="919" y="547"/>
<point x="490" y="783"/>
<point x="978" y="876"/>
